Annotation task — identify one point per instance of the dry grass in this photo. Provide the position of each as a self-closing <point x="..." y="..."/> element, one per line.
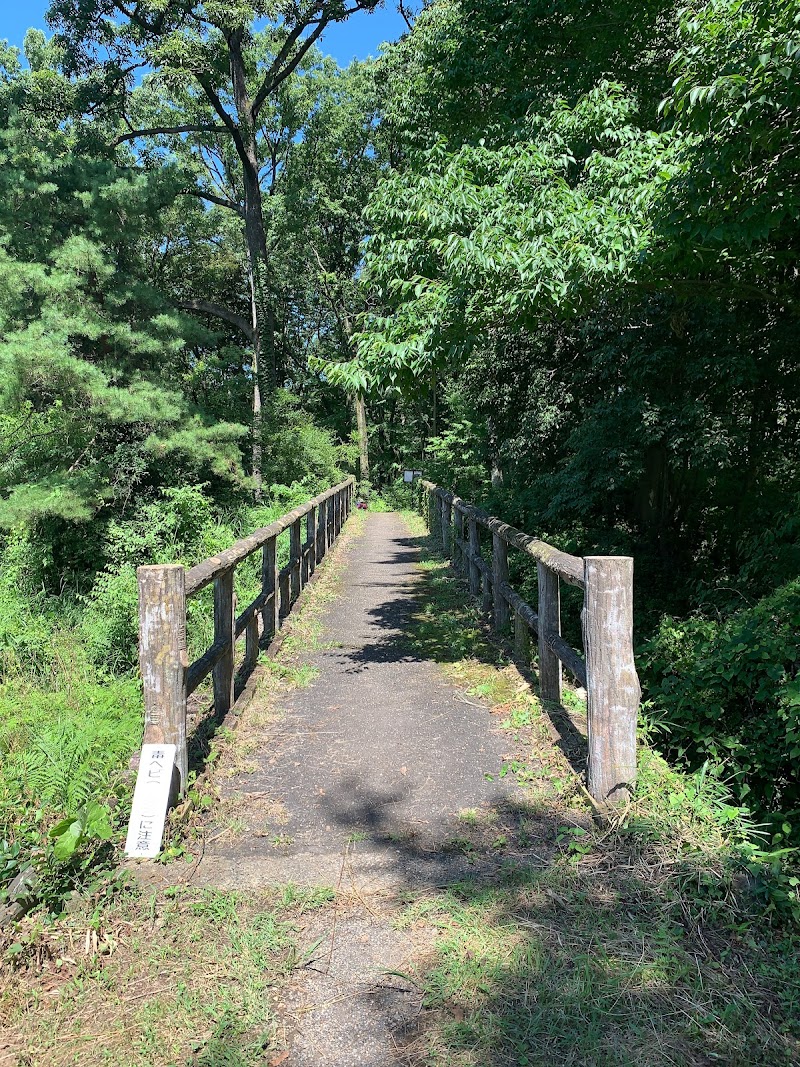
<point x="156" y="978"/>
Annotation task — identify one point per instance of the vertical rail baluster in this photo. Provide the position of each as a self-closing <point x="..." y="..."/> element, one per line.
<point x="474" y="551"/>
<point x="224" y="631"/>
<point x="269" y="586"/>
<point x="295" y="559"/>
<point x="549" y="623"/>
<point x="458" y="541"/>
<point x="522" y="641"/>
<point x="500" y="577"/>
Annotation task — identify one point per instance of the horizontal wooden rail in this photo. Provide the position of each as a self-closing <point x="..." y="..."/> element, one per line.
<point x="168" y="678"/>
<point x="608" y="672"/>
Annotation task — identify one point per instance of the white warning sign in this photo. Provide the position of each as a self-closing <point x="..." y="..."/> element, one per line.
<point x="150" y="801"/>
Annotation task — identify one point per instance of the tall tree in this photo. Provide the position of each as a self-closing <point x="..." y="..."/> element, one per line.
<point x="211" y="51"/>
<point x="92" y="401"/>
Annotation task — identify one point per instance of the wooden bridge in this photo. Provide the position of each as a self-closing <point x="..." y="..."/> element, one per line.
<point x="478" y="545"/>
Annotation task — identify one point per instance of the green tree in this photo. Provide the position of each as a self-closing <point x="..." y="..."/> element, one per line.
<point x="91" y="403"/>
<point x="212" y="56"/>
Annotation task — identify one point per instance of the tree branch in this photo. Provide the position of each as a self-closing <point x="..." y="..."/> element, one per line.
<point x="274" y="76"/>
<point x="219" y="312"/>
<point x="214" y="199"/>
<point x="155" y="131"/>
<point x="211" y="93"/>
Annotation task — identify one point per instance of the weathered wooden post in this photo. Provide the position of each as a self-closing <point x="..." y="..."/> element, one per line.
<point x="163" y="660"/>
<point x="284" y="590"/>
<point x="295" y="559"/>
<point x="447" y="515"/>
<point x="458" y="540"/>
<point x="224" y="633"/>
<point x="549" y="623"/>
<point x="310" y="557"/>
<point x="499" y="578"/>
<point x="322" y="525"/>
<point x="522" y="641"/>
<point x="251" y="643"/>
<point x="269" y="585"/>
<point x="472" y="559"/>
<point x="487" y="599"/>
<point x="612" y="684"/>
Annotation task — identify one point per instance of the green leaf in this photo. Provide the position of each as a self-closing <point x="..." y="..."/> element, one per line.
<point x="97" y="820"/>
<point x="67" y="837"/>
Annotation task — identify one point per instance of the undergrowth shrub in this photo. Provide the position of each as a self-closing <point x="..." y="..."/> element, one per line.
<point x="727" y="690"/>
<point x="62" y="745"/>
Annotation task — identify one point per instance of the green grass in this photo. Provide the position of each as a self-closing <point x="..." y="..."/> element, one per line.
<point x="651" y="941"/>
<point x="556" y="966"/>
<point x="176" y="977"/>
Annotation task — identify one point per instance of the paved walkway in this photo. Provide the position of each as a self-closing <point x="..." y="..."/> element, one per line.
<point x="358" y="787"/>
<point x="380" y="752"/>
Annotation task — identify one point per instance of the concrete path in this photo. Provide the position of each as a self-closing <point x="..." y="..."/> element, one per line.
<point x="379" y="754"/>
<point x="359" y="786"/>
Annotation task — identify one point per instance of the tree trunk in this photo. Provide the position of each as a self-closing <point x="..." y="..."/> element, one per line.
<point x="257" y="427"/>
<point x="264" y="370"/>
<point x="494" y="455"/>
<point x="363" y="443"/>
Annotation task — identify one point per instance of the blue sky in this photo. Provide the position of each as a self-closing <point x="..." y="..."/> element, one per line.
<point x="357" y="38"/>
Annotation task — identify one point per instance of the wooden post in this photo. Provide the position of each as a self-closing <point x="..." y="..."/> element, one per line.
<point x="311" y="538"/>
<point x="322" y="525"/>
<point x="522" y="641"/>
<point x="163" y="660"/>
<point x="285" y="599"/>
<point x="612" y="684"/>
<point x="295" y="559"/>
<point x="549" y="623"/>
<point x="500" y="576"/>
<point x="486" y="590"/>
<point x="251" y="643"/>
<point x="447" y="516"/>
<point x="458" y="541"/>
<point x="474" y="551"/>
<point x="270" y="585"/>
<point x="224" y="630"/>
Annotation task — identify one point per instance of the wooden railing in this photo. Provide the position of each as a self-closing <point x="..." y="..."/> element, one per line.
<point x="608" y="671"/>
<point x="168" y="679"/>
